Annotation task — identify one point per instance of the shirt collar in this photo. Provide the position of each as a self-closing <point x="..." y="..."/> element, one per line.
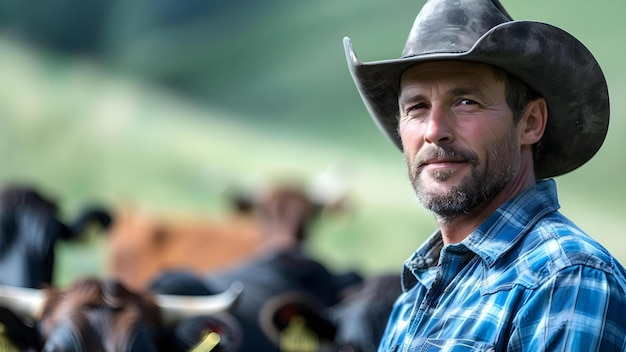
<point x="424" y="258"/>
<point x="493" y="238"/>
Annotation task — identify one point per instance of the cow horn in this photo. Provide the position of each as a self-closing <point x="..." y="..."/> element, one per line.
<point x="25" y="302"/>
<point x="177" y="307"/>
<point x="330" y="187"/>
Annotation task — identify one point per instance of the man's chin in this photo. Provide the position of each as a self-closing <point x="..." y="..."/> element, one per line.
<point x="441" y="198"/>
<point x="445" y="212"/>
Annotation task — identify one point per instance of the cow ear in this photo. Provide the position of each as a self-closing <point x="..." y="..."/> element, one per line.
<point x="6" y="344"/>
<point x="15" y="335"/>
<point x="219" y="331"/>
<point x="295" y="321"/>
<point x="94" y="215"/>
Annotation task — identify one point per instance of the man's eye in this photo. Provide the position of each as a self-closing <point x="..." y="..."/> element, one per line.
<point x="415" y="107"/>
<point x="467" y="102"/>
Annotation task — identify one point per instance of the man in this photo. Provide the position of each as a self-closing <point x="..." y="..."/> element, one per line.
<point x="487" y="110"/>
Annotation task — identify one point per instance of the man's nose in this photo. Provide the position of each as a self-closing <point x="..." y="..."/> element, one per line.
<point x="439" y="129"/>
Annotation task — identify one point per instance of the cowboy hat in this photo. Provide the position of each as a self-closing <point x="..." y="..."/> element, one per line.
<point x="548" y="59"/>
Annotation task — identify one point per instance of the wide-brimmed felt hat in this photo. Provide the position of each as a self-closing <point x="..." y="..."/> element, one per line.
<point x="548" y="59"/>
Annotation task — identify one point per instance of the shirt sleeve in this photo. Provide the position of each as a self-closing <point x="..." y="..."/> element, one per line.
<point x="581" y="308"/>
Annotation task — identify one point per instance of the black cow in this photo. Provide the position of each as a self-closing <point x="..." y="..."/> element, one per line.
<point x="267" y="313"/>
<point x="356" y="324"/>
<point x="283" y="272"/>
<point x="102" y="315"/>
<point x="29" y="229"/>
<point x="361" y="317"/>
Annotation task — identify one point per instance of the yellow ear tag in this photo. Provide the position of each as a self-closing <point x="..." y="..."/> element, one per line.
<point x="208" y="343"/>
<point x="6" y="345"/>
<point x="296" y="337"/>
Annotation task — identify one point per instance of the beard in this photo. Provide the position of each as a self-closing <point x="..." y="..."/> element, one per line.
<point x="486" y="178"/>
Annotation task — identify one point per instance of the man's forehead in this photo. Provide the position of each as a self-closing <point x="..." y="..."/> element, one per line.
<point x="451" y="76"/>
<point x="448" y="68"/>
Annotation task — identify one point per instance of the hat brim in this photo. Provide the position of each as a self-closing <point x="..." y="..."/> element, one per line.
<point x="548" y="59"/>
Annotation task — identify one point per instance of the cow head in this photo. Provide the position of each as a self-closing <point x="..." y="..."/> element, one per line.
<point x="29" y="229"/>
<point x="102" y="315"/>
<point x="287" y="209"/>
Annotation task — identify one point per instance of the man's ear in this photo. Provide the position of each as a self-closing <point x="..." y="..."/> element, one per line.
<point x="534" y="121"/>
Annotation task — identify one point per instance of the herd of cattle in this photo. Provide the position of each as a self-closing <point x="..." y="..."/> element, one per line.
<point x="244" y="282"/>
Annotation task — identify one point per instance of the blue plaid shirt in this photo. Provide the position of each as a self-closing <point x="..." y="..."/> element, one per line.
<point x="527" y="279"/>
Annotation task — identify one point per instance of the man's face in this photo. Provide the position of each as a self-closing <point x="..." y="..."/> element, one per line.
<point x="459" y="139"/>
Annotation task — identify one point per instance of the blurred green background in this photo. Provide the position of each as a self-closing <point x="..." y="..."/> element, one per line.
<point x="167" y="103"/>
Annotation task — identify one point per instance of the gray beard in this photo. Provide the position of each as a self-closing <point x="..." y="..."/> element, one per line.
<point x="475" y="189"/>
<point x="459" y="200"/>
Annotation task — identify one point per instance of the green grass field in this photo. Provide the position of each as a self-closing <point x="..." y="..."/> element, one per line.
<point x="86" y="133"/>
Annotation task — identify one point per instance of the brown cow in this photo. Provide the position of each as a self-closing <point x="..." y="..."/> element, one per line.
<point x="143" y="245"/>
<point x="102" y="315"/>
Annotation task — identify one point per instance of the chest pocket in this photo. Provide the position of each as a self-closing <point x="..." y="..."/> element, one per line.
<point x="453" y="345"/>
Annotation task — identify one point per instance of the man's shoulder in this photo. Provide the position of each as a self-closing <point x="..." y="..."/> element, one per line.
<point x="552" y="246"/>
<point x="566" y="244"/>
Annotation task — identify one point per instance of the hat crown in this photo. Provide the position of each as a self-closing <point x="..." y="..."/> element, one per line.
<point x="452" y="26"/>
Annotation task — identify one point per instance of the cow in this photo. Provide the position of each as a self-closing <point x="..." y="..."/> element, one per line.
<point x="355" y="324"/>
<point x="144" y="244"/>
<point x="295" y="320"/>
<point x="361" y="316"/>
<point x="103" y="315"/>
<point x="29" y="228"/>
<point x="280" y="273"/>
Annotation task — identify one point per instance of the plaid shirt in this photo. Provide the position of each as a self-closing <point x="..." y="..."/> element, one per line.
<point x="527" y="279"/>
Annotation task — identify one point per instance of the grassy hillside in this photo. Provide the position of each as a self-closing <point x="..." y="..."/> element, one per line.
<point x="272" y="97"/>
<point x="85" y="137"/>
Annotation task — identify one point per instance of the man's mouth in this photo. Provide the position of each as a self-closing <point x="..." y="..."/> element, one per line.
<point x="441" y="163"/>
